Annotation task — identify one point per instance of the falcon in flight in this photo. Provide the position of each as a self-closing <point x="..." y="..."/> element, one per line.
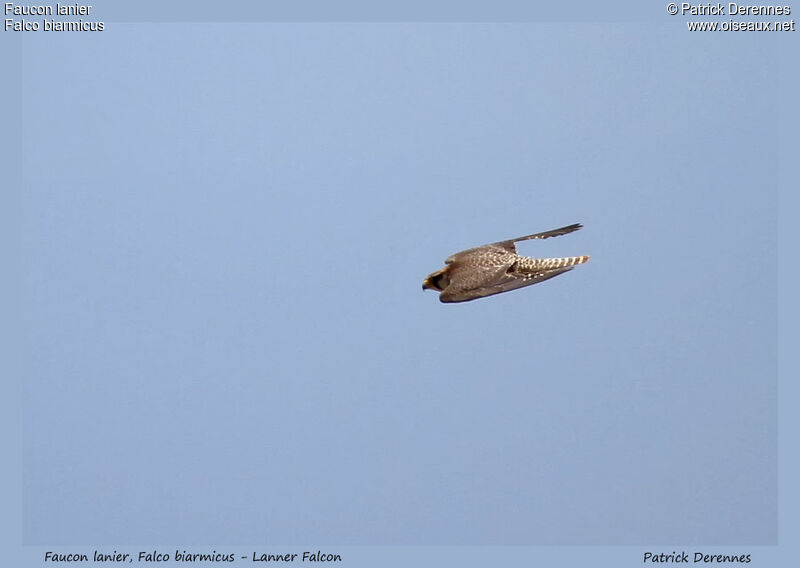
<point x="495" y="268"/>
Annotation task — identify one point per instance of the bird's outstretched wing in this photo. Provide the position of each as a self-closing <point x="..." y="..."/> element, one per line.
<point x="509" y="244"/>
<point x="461" y="290"/>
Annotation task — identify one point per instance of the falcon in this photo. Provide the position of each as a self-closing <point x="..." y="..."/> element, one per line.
<point x="491" y="269"/>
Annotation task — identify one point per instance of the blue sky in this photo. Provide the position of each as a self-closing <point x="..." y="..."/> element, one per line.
<point x="225" y="231"/>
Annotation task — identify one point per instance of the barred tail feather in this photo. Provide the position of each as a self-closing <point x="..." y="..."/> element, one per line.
<point x="551" y="263"/>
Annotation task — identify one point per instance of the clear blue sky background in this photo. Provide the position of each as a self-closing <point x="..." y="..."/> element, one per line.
<point x="225" y="232"/>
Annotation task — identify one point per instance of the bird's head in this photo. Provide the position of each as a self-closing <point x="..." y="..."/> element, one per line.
<point x="438" y="280"/>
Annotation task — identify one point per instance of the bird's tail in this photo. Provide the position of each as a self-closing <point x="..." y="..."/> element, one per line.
<point x="554" y="263"/>
<point x="541" y="269"/>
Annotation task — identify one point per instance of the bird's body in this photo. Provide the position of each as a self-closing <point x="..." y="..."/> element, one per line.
<point x="495" y="268"/>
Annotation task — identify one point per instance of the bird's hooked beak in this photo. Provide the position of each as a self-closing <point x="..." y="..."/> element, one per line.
<point x="436" y="281"/>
